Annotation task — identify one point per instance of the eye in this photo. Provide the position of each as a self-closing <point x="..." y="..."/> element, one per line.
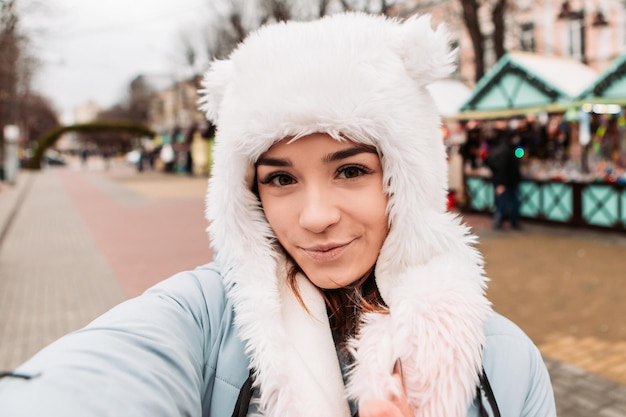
<point x="352" y="171"/>
<point x="278" y="179"/>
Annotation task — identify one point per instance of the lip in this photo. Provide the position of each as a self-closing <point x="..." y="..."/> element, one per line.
<point x="327" y="252"/>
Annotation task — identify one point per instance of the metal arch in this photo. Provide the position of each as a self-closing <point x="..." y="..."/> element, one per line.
<point x="50" y="137"/>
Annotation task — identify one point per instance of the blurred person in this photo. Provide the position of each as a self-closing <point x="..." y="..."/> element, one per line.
<point x="531" y="136"/>
<point x="106" y="154"/>
<point x="151" y="155"/>
<point x="188" y="147"/>
<point x="341" y="286"/>
<point x="470" y="149"/>
<point x="506" y="176"/>
<point x="168" y="157"/>
<point x="141" y="160"/>
<point x="84" y="157"/>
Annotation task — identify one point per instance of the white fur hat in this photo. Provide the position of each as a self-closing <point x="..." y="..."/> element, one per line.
<point x="360" y="77"/>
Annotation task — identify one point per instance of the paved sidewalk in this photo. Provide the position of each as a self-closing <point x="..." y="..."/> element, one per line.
<point x="53" y="277"/>
<point x="73" y="244"/>
<point x="11" y="196"/>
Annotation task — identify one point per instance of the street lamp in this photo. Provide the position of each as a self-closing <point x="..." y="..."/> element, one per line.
<point x="599" y="19"/>
<point x="567" y="13"/>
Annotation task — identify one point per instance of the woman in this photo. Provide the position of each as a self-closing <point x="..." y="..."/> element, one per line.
<point x="340" y="283"/>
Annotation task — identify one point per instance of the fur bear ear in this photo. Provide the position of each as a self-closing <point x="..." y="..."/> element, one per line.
<point x="215" y="82"/>
<point x="426" y="53"/>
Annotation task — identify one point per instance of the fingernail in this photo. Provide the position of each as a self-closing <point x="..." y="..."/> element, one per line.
<point x="397" y="367"/>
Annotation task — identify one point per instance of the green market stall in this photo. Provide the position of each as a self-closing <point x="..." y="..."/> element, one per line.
<point x="522" y="84"/>
<point x="604" y="203"/>
<point x="610" y="86"/>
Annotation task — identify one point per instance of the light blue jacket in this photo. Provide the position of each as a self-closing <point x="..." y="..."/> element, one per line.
<point x="174" y="351"/>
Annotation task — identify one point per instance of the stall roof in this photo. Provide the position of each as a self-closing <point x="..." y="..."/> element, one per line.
<point x="449" y="95"/>
<point x="521" y="81"/>
<point x="610" y="86"/>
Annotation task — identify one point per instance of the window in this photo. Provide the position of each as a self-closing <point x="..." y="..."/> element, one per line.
<point x="573" y="39"/>
<point x="575" y="44"/>
<point x="527" y="36"/>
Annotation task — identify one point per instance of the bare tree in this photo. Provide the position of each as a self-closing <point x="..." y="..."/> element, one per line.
<point x="483" y="19"/>
<point x="38" y="115"/>
<point x="278" y="10"/>
<point x="472" y="23"/>
<point x="140" y="92"/>
<point x="368" y="6"/>
<point x="9" y="51"/>
<point x="237" y="18"/>
<point x="9" y="56"/>
<point x="471" y="18"/>
<point x="17" y="68"/>
<point x="323" y="7"/>
<point x="227" y="32"/>
<point x="498" y="13"/>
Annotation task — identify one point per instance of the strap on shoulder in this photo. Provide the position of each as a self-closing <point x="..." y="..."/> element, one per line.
<point x="243" y="400"/>
<point x="485" y="387"/>
<point x="246" y="392"/>
<point x="10" y="374"/>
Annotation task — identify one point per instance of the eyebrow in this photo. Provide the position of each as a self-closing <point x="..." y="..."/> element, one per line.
<point x="335" y="156"/>
<point x="275" y="162"/>
<point x="346" y="153"/>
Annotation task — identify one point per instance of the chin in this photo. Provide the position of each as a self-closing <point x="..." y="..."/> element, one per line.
<point x="331" y="283"/>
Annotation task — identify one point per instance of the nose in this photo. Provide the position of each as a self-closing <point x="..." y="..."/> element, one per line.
<point x="318" y="211"/>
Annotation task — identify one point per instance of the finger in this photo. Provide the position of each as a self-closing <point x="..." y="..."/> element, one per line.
<point x="380" y="408"/>
<point x="401" y="400"/>
<point x="397" y="370"/>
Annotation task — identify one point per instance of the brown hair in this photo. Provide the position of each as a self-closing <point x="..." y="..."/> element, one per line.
<point x="345" y="305"/>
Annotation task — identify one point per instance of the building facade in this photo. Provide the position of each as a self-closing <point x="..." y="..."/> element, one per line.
<point x="592" y="31"/>
<point x="176" y="107"/>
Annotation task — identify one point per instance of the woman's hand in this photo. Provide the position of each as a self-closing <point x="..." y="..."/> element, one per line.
<point x="395" y="406"/>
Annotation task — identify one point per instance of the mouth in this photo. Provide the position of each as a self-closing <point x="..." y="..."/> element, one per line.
<point x="326" y="253"/>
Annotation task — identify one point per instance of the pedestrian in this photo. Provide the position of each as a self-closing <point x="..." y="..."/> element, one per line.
<point x="106" y="154"/>
<point x="506" y="176"/>
<point x="84" y="156"/>
<point x="470" y="150"/>
<point x="341" y="286"/>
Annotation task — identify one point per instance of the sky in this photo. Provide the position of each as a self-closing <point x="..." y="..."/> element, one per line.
<point x="91" y="49"/>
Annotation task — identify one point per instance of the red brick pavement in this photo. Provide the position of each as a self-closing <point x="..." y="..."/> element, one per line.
<point x="143" y="242"/>
<point x="564" y="287"/>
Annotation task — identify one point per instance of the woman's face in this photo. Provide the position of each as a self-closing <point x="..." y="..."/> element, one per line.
<point x="324" y="200"/>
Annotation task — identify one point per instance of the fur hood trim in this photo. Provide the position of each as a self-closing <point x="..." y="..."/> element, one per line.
<point x="360" y="77"/>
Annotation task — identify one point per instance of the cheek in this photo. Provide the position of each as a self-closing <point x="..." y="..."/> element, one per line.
<point x="381" y="225"/>
<point x="373" y="209"/>
<point x="379" y="222"/>
<point x="379" y="208"/>
<point x="277" y="215"/>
